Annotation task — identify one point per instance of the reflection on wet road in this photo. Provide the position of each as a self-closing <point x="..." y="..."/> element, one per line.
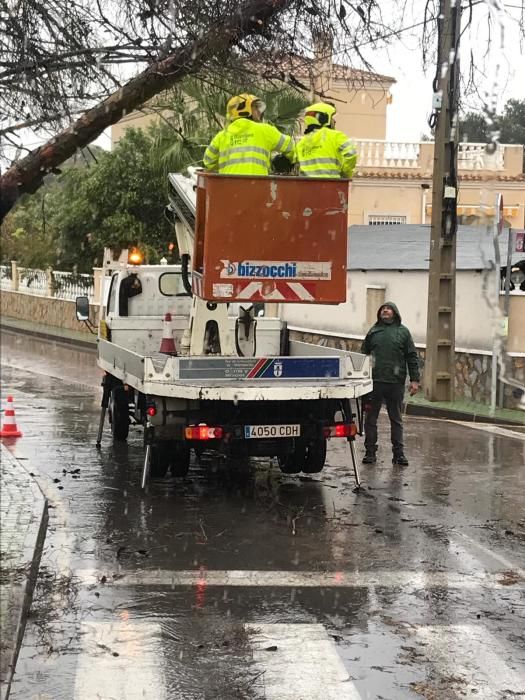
<point x="250" y="584"/>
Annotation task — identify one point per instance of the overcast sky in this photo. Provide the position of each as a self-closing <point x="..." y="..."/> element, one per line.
<point x="412" y="94"/>
<point x="500" y="69"/>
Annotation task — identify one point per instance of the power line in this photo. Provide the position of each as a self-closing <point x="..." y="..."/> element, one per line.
<point x="396" y="32"/>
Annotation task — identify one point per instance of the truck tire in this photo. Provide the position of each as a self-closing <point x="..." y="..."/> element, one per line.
<point x="119" y="413"/>
<point x="179" y="459"/>
<point x="315" y="456"/>
<point x="159" y="459"/>
<point x="294" y="462"/>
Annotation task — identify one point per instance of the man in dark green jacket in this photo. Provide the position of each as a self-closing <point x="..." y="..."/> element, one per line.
<point x="392" y="350"/>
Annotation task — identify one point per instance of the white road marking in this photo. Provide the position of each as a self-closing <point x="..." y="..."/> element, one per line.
<point x="493" y="429"/>
<point x="120" y="661"/>
<point x="414" y="580"/>
<point x="473" y="658"/>
<point x="506" y="563"/>
<point x="304" y="666"/>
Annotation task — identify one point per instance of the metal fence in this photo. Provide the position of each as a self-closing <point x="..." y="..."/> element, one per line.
<point x="53" y="283"/>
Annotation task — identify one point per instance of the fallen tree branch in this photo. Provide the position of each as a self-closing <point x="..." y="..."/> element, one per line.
<point x="27" y="174"/>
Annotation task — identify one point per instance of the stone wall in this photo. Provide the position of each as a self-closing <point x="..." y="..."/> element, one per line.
<point x="473" y="371"/>
<point x="59" y="313"/>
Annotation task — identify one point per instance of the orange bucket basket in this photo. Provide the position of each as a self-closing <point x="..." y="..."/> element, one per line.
<point x="271" y="239"/>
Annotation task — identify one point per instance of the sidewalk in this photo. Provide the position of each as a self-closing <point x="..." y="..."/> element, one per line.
<point x="464" y="411"/>
<point x="41" y="330"/>
<point x="23" y="525"/>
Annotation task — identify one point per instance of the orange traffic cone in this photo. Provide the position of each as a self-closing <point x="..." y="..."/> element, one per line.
<point x="167" y="344"/>
<point x="10" y="429"/>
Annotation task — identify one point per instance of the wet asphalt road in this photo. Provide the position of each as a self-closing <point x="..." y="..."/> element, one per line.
<point x="253" y="584"/>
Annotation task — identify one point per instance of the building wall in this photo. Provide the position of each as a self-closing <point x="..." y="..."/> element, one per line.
<point x="389" y="196"/>
<point x="409" y="290"/>
<point x="59" y="313"/>
<point x="361" y="113"/>
<point x="135" y="120"/>
<point x="375" y="197"/>
<point x="472" y="369"/>
<point x="516" y="329"/>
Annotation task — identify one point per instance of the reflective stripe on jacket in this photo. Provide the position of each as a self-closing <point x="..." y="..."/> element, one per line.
<point x="245" y="148"/>
<point x="326" y="153"/>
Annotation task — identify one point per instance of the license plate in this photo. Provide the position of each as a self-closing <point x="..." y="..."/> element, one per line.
<point x="272" y="431"/>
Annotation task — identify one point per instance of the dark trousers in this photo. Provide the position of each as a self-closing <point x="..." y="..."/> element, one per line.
<point x="392" y="395"/>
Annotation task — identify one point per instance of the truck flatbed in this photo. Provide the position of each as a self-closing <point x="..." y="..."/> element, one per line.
<point x="337" y="375"/>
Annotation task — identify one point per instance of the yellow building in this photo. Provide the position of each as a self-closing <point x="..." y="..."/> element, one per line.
<point x="393" y="182"/>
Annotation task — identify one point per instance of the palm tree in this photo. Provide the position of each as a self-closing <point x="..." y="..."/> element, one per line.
<point x="191" y="115"/>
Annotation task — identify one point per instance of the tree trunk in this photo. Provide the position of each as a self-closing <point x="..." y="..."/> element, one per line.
<point x="27" y="174"/>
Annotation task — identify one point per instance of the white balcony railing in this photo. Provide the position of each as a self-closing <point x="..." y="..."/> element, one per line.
<point x="402" y="155"/>
<point x="477" y="156"/>
<point x="70" y="286"/>
<point x="387" y="154"/>
<point x="32" y="281"/>
<point x="61" y="285"/>
<point x="5" y="277"/>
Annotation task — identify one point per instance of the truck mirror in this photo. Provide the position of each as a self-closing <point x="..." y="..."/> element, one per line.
<point x="82" y="308"/>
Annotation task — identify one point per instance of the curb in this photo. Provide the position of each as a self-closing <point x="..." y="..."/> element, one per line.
<point x="413" y="409"/>
<point x="19" y="582"/>
<point x="42" y="332"/>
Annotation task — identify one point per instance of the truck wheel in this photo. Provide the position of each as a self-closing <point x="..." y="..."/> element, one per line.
<point x="119" y="413"/>
<point x="315" y="456"/>
<point x="293" y="463"/>
<point x="179" y="459"/>
<point x="160" y="459"/>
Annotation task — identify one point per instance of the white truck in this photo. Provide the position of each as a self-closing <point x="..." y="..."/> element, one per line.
<point x="227" y="380"/>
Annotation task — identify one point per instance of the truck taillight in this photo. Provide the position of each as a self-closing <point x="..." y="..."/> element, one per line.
<point x="340" y="430"/>
<point x="203" y="432"/>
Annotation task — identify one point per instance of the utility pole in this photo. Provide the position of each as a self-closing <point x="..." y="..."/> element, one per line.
<point x="440" y="347"/>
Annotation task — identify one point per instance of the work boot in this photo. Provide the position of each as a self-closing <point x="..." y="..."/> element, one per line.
<point x="400" y="460"/>
<point x="369" y="458"/>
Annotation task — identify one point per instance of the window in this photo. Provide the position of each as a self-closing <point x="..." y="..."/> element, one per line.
<point x="386" y="219"/>
<point x="170" y="284"/>
<point x="375" y="297"/>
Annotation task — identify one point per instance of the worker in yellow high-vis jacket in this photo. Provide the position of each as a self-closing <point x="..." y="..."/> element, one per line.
<point x="323" y="151"/>
<point x="246" y="145"/>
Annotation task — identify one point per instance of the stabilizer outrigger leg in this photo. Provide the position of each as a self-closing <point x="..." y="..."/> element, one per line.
<point x="148" y="442"/>
<point x="106" y="393"/>
<point x="351" y="443"/>
<point x="348" y="415"/>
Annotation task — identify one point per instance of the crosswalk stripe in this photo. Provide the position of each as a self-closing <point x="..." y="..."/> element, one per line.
<point x="412" y="580"/>
<point x="468" y="555"/>
<point x="120" y="661"/>
<point x="474" y="657"/>
<point x="300" y="662"/>
<point x="492" y="429"/>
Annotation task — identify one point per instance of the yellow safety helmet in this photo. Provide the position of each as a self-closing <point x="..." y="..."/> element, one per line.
<point x="242" y="106"/>
<point x="319" y="114"/>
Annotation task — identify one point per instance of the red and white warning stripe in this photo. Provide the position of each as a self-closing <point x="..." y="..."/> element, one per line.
<point x="276" y="291"/>
<point x="197" y="284"/>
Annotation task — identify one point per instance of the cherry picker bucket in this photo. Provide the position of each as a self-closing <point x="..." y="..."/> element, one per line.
<point x="271" y="239"/>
